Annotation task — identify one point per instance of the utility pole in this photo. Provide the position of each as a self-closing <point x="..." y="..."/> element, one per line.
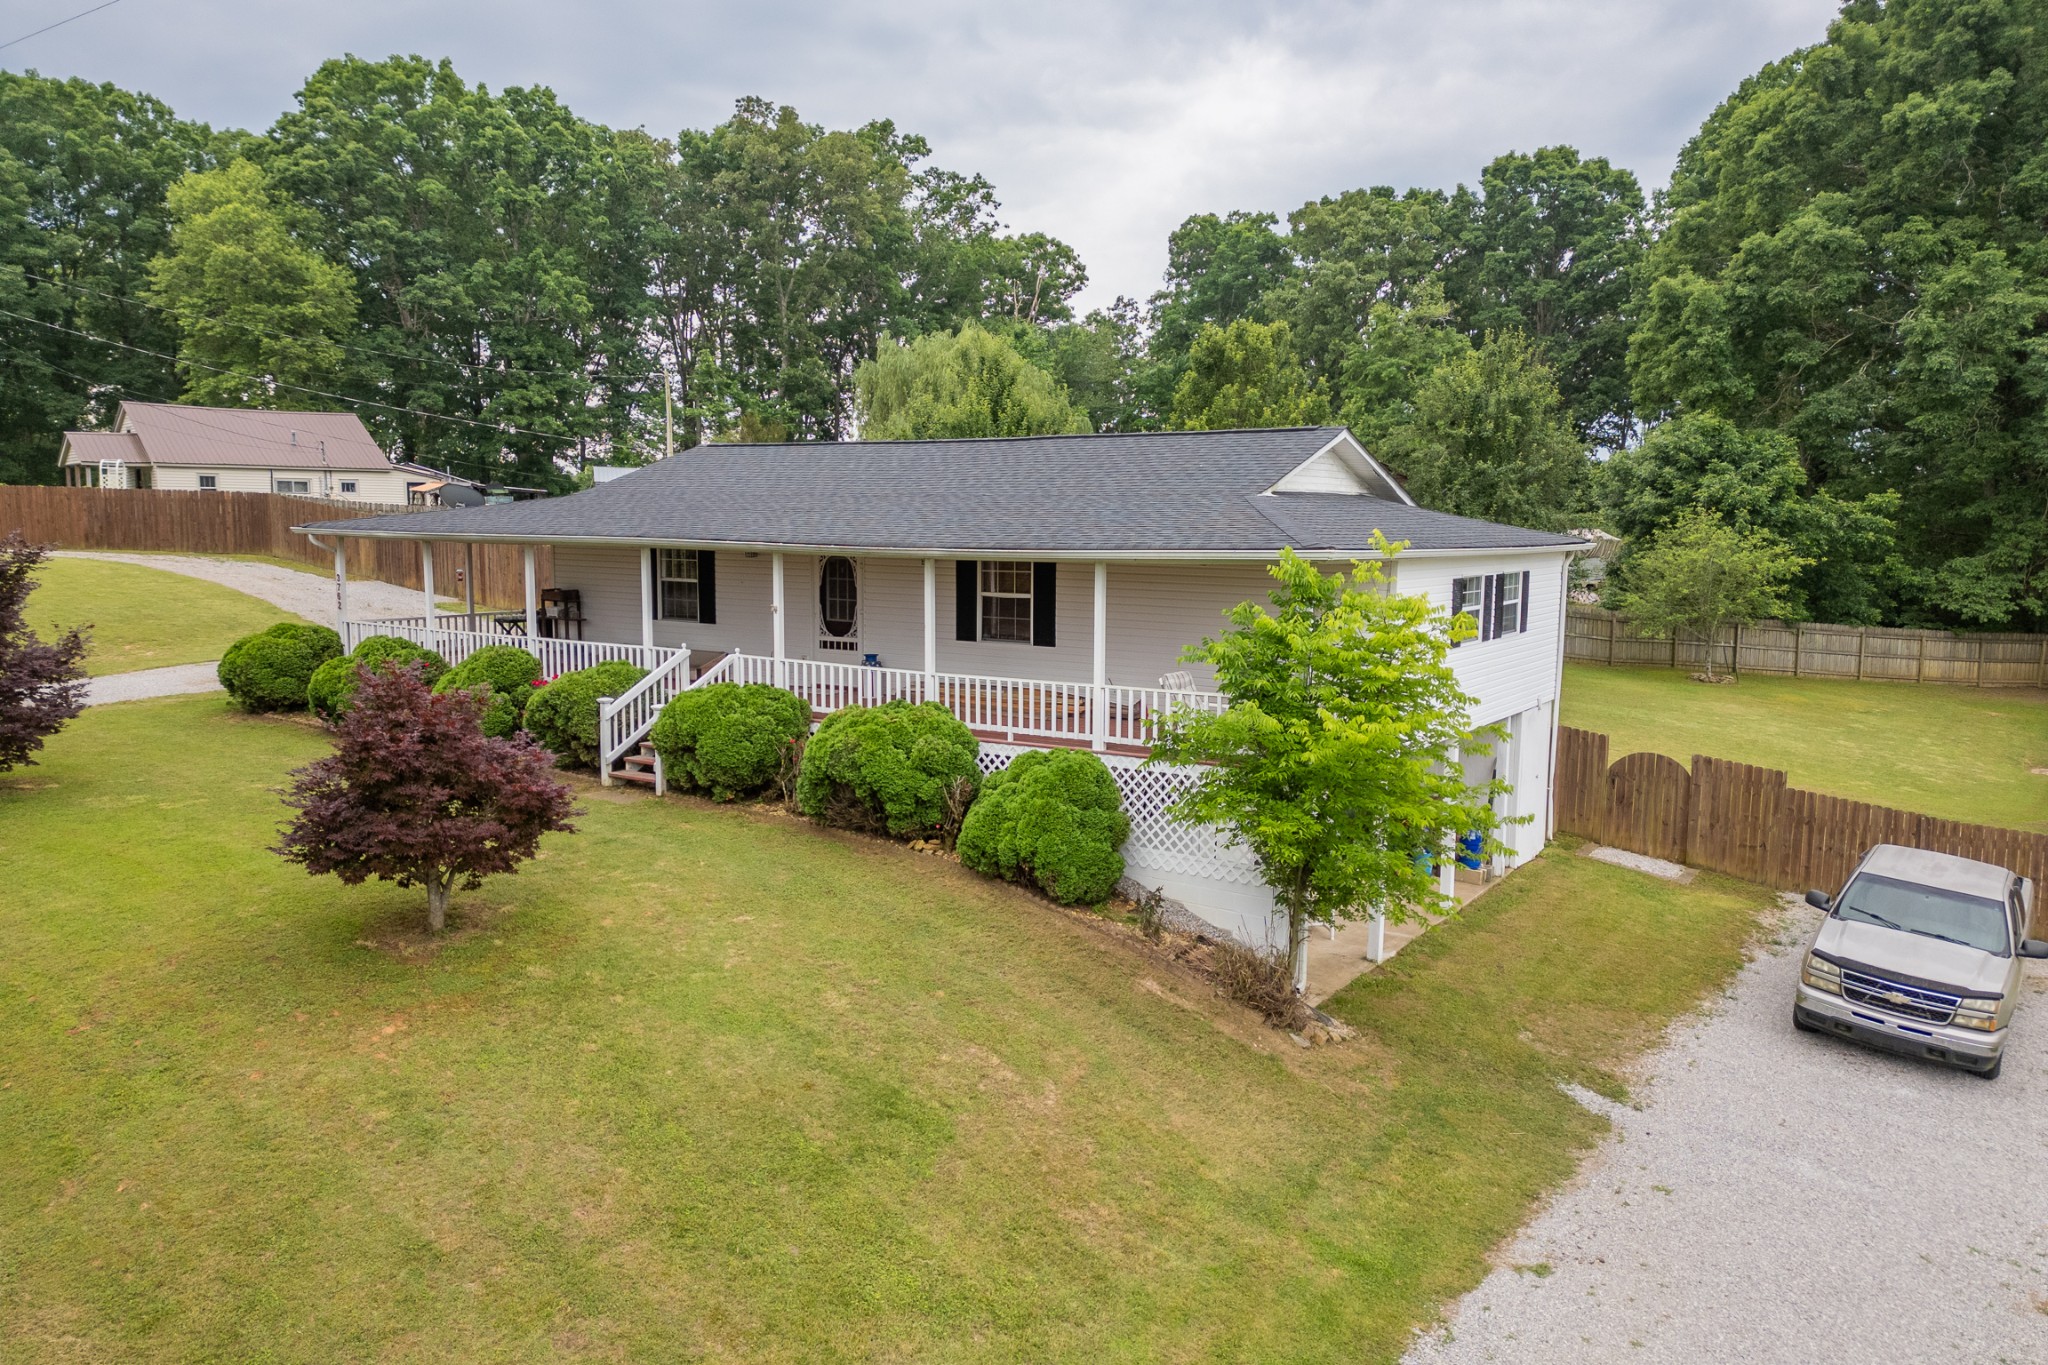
<point x="668" y="409"/>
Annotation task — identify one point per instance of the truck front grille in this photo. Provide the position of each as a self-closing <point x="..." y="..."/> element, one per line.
<point x="1895" y="997"/>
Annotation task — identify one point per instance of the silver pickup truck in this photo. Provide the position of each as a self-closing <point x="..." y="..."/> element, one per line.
<point x="1921" y="954"/>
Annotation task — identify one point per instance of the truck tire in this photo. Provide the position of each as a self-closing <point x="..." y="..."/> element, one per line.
<point x="1801" y="1024"/>
<point x="1990" y="1073"/>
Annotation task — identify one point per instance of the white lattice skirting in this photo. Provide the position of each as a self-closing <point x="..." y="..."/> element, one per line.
<point x="1194" y="864"/>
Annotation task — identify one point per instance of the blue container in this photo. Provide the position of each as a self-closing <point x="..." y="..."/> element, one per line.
<point x="871" y="660"/>
<point x="1468" y="851"/>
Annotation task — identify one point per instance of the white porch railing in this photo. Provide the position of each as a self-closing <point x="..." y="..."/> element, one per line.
<point x="624" y="720"/>
<point x="471" y="632"/>
<point x="1012" y="709"/>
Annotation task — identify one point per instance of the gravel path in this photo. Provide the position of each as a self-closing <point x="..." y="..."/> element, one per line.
<point x="177" y="680"/>
<point x="1779" y="1196"/>
<point x="310" y="595"/>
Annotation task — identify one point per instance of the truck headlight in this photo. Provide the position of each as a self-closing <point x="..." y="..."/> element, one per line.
<point x="1976" y="1012"/>
<point x="1821" y="975"/>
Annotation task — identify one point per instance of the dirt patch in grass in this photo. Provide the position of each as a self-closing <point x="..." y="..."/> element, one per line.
<point x="403" y="935"/>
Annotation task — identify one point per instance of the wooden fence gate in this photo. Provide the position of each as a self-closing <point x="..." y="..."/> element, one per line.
<point x="1749" y="822"/>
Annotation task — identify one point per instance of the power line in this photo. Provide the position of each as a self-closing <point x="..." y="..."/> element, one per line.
<point x="59" y="24"/>
<point x="499" y="427"/>
<point x="343" y="345"/>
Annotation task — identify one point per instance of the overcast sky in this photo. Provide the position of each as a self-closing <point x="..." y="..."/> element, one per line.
<point x="1103" y="122"/>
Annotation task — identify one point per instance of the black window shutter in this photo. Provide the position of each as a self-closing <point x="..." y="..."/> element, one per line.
<point x="1488" y="626"/>
<point x="1525" y="599"/>
<point x="1458" y="600"/>
<point x="707" y="588"/>
<point x="654" y="577"/>
<point x="1045" y="584"/>
<point x="967" y="599"/>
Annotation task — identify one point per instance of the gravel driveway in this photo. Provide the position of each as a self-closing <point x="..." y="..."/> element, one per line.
<point x="1779" y="1196"/>
<point x="310" y="595"/>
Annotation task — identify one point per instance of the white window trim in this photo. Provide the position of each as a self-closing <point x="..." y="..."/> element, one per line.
<point x="294" y="487"/>
<point x="682" y="560"/>
<point x="1505" y="583"/>
<point x="209" y="482"/>
<point x="983" y="593"/>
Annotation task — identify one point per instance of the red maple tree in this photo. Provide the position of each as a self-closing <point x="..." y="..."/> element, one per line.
<point x="415" y="793"/>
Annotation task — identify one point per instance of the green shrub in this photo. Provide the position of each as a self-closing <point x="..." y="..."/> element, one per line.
<point x="506" y="675"/>
<point x="269" y="671"/>
<point x="730" y="739"/>
<point x="1054" y="818"/>
<point x="896" y="767"/>
<point x="563" y="715"/>
<point x="332" y="687"/>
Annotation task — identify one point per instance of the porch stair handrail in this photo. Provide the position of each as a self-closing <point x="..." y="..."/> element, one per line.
<point x="623" y="721"/>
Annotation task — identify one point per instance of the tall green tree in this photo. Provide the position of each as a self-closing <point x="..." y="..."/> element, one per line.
<point x="967" y="384"/>
<point x="1336" y="762"/>
<point x="1550" y="251"/>
<point x="1219" y="269"/>
<point x="261" y="316"/>
<point x="1246" y="375"/>
<point x="84" y="170"/>
<point x="1400" y="348"/>
<point x="1856" y="254"/>
<point x="1753" y="480"/>
<point x="1490" y="438"/>
<point x="1701" y="575"/>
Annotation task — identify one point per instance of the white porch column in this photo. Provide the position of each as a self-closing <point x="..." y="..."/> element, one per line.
<point x="427" y="578"/>
<point x="647" y="604"/>
<point x="469" y="583"/>
<point x="1376" y="937"/>
<point x="341" y="588"/>
<point x="1447" y="875"/>
<point x="1507" y="756"/>
<point x="532" y="610"/>
<point x="776" y="617"/>
<point x="931" y="629"/>
<point x="1098" y="703"/>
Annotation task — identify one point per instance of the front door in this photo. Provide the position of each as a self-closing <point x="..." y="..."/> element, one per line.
<point x="838" y="605"/>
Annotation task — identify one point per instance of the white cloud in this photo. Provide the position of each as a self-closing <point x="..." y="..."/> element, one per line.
<point x="1103" y="123"/>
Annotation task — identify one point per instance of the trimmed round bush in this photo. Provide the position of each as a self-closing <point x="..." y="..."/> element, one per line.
<point x="332" y="688"/>
<point x="563" y="715"/>
<point x="1052" y="818"/>
<point x="269" y="671"/>
<point x="729" y="739"/>
<point x="506" y="675"/>
<point x="899" y="768"/>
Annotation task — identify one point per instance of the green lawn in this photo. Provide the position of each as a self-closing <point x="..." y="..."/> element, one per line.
<point x="1962" y="753"/>
<point x="143" y="618"/>
<point x="708" y="1083"/>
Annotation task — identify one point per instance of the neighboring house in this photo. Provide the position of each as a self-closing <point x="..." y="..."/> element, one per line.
<point x="1043" y="588"/>
<point x="426" y="486"/>
<point x="239" y="450"/>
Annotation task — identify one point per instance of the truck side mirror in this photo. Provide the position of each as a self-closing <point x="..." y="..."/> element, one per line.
<point x="1819" y="900"/>
<point x="2034" y="947"/>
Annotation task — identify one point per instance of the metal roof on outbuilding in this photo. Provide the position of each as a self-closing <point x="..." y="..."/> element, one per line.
<point x="183" y="434"/>
<point x="1172" y="493"/>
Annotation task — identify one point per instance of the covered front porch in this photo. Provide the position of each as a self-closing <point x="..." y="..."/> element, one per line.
<point x="691" y="622"/>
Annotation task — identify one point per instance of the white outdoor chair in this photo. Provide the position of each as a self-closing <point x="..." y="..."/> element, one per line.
<point x="1180" y="680"/>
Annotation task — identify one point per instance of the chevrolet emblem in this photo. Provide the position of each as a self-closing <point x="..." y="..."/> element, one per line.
<point x="1893" y="997"/>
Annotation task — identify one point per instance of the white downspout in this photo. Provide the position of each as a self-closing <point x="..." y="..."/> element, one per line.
<point x="532" y="610"/>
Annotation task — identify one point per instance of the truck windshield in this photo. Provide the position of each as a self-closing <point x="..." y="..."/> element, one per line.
<point x="1926" y="910"/>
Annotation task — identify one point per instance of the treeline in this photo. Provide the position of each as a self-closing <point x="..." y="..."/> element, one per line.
<point x="1826" y="336"/>
<point x="500" y="285"/>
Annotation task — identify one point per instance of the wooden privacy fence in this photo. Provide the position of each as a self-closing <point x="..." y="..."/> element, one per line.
<point x="1811" y="650"/>
<point x="256" y="524"/>
<point x="1746" y="821"/>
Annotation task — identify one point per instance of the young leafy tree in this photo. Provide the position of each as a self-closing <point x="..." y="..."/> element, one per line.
<point x="1400" y="348"/>
<point x="253" y="302"/>
<point x="1336" y="763"/>
<point x="414" y="793"/>
<point x="1702" y="574"/>
<point x="1490" y="438"/>
<point x="1246" y="375"/>
<point x="971" y="383"/>
<point x="42" y="683"/>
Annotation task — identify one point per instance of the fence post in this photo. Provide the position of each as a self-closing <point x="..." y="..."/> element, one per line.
<point x="1920" y="668"/>
<point x="1798" y="634"/>
<point x="1862" y="638"/>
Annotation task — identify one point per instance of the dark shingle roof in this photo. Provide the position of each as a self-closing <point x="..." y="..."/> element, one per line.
<point x="1170" y="492"/>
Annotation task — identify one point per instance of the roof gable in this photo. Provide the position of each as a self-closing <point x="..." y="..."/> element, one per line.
<point x="184" y="434"/>
<point x="1342" y="466"/>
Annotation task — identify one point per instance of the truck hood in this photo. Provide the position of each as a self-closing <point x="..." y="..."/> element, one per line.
<point x="1913" y="957"/>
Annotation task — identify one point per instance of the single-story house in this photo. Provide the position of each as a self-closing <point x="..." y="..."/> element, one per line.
<point x="239" y="450"/>
<point x="1043" y="588"/>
